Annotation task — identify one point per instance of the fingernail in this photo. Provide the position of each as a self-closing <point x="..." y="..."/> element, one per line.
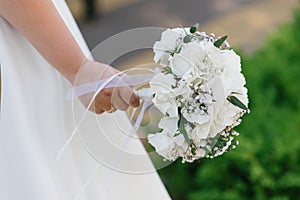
<point x="134" y="99"/>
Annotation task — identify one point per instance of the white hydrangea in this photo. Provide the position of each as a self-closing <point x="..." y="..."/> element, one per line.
<point x="195" y="90"/>
<point x="170" y="39"/>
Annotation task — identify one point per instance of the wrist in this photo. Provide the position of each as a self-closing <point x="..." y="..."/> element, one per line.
<point x="74" y="72"/>
<point x="91" y="71"/>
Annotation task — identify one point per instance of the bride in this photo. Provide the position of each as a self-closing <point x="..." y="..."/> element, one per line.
<point x="41" y="54"/>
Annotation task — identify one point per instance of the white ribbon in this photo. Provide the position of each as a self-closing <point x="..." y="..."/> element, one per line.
<point x="117" y="80"/>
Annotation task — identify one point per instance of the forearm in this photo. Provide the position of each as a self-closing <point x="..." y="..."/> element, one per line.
<point x="40" y="23"/>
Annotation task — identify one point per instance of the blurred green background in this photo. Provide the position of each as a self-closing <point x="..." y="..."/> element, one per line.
<point x="266" y="164"/>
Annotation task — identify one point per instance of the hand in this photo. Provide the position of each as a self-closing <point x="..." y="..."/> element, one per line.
<point x="109" y="99"/>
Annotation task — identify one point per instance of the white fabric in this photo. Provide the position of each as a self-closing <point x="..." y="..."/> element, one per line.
<point x="36" y="120"/>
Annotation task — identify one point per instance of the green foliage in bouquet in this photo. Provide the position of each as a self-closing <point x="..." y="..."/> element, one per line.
<point x="266" y="165"/>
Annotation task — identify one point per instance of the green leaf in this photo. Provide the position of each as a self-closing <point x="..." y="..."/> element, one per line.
<point x="235" y="101"/>
<point x="178" y="49"/>
<point x="236" y="93"/>
<point x="182" y="129"/>
<point x="167" y="70"/>
<point x="193" y="149"/>
<point x="170" y="52"/>
<point x="187" y="39"/>
<point x="220" y="41"/>
<point x="194" y="28"/>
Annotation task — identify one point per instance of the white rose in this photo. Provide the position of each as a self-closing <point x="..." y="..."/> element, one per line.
<point x="162" y="83"/>
<point x="190" y="57"/>
<point x="231" y="60"/>
<point x="219" y="98"/>
<point x="164" y="99"/>
<point x="233" y="81"/>
<point x="194" y="117"/>
<point x="211" y="123"/>
<point x="182" y="89"/>
<point x="217" y="86"/>
<point x="232" y="77"/>
<point x="166" y="104"/>
<point x="164" y="143"/>
<point x="170" y="124"/>
<point x="232" y="111"/>
<point x="214" y="54"/>
<point x="169" y="41"/>
<point x="223" y="112"/>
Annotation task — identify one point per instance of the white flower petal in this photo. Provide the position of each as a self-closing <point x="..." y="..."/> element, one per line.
<point x="201" y="131"/>
<point x="179" y="140"/>
<point x="169" y="124"/>
<point x="196" y="117"/>
<point x="162" y="83"/>
<point x="168" y="42"/>
<point x="163" y="144"/>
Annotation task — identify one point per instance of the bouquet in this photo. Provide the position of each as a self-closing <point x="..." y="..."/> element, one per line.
<point x="201" y="93"/>
<point x="199" y="89"/>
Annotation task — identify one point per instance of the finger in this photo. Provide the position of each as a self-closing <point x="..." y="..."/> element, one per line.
<point x="125" y="93"/>
<point x="107" y="91"/>
<point x="103" y="104"/>
<point x="96" y="109"/>
<point x="99" y="111"/>
<point x="117" y="101"/>
<point x="103" y="101"/>
<point x="129" y="97"/>
<point x="134" y="101"/>
<point x="112" y="110"/>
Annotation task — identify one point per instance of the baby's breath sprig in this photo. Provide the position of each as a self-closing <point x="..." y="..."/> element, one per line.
<point x="220" y="42"/>
<point x="225" y="142"/>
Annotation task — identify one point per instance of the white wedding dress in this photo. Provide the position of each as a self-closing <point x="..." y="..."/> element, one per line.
<point x="37" y="120"/>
